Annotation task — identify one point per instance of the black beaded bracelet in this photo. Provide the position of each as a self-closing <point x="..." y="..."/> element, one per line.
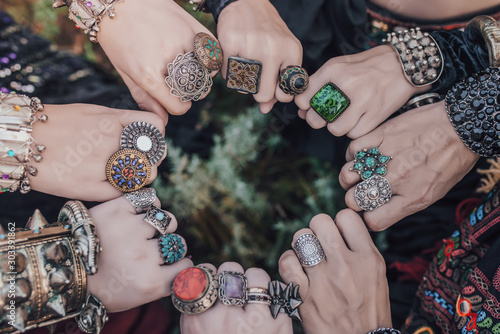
<point x="385" y="330"/>
<point x="473" y="106"/>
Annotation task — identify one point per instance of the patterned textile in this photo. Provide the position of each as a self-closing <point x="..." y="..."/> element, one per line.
<point x="460" y="293"/>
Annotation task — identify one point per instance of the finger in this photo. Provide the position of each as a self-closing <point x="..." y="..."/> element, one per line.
<point x="103" y="192"/>
<point x="353" y="230"/>
<point x="258" y="278"/>
<point x="142" y="98"/>
<point x="373" y="139"/>
<point x="314" y="119"/>
<point x="266" y="107"/>
<point x="230" y="266"/>
<point x="329" y="236"/>
<point x="365" y="125"/>
<point x="316" y="82"/>
<point x="291" y="271"/>
<point x="347" y="177"/>
<point x="302" y="114"/>
<point x="344" y="123"/>
<point x="350" y="200"/>
<point x="268" y="82"/>
<point x="170" y="248"/>
<point x="166" y="275"/>
<point x="389" y="214"/>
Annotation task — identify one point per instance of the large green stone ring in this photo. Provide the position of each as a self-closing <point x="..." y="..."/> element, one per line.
<point x="370" y="162"/>
<point x="330" y="102"/>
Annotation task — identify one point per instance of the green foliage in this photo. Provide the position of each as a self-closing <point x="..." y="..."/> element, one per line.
<point x="245" y="202"/>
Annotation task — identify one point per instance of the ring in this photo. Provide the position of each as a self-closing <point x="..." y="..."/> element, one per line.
<point x="373" y="193"/>
<point x="208" y="51"/>
<point x="128" y="170"/>
<point x="243" y="75"/>
<point x="330" y="102"/>
<point x="146" y="138"/>
<point x="258" y="296"/>
<point x="233" y="288"/>
<point x="195" y="290"/>
<point x="142" y="199"/>
<point x="171" y="248"/>
<point x="187" y="78"/>
<point x="308" y="250"/>
<point x="285" y="301"/>
<point x="369" y="162"/>
<point x="158" y="218"/>
<point x="294" y="80"/>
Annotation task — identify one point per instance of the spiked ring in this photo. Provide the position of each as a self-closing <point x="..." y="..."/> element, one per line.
<point x="285" y="301"/>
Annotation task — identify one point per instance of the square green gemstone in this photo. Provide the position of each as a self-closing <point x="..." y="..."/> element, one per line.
<point x="330" y="102"/>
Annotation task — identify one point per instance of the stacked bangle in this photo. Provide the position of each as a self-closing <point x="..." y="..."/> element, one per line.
<point x="44" y="268"/>
<point x="473" y="106"/>
<point x="419" y="54"/>
<point x="17" y="147"/>
<point x="88" y="14"/>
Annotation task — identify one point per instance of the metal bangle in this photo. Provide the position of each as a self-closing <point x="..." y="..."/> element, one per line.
<point x="490" y="30"/>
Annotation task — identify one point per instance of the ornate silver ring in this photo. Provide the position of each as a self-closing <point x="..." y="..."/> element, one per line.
<point x="158" y="218"/>
<point x="141" y="199"/>
<point x="308" y="250"/>
<point x="373" y="193"/>
<point x="145" y="138"/>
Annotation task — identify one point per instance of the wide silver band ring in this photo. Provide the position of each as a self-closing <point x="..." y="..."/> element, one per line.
<point x="142" y="199"/>
<point x="308" y="250"/>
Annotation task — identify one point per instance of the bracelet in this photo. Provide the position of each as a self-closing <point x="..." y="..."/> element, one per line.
<point x="17" y="115"/>
<point x="88" y="14"/>
<point x="490" y="30"/>
<point x="474" y="112"/>
<point x="385" y="330"/>
<point x="44" y="274"/>
<point x="420" y="56"/>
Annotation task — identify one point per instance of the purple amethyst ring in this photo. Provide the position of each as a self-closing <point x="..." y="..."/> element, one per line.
<point x="233" y="288"/>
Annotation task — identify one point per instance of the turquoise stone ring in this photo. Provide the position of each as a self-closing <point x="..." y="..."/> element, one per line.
<point x="370" y="162"/>
<point x="330" y="102"/>
<point x="172" y="248"/>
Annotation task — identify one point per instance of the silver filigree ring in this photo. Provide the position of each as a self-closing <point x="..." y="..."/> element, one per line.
<point x="187" y="78"/>
<point x="145" y="138"/>
<point x="142" y="199"/>
<point x="233" y="288"/>
<point x="308" y="250"/>
<point x="373" y="193"/>
<point x="158" y="218"/>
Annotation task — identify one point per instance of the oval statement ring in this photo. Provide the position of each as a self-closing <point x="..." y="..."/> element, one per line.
<point x="195" y="290"/>
<point x="128" y="170"/>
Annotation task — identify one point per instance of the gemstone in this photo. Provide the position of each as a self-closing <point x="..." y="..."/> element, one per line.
<point x="144" y="143"/>
<point x="358" y="166"/>
<point x="383" y="159"/>
<point x="381" y="171"/>
<point x="5" y="176"/>
<point x="89" y="4"/>
<point x="371" y="162"/>
<point x="330" y="102"/>
<point x="11" y="153"/>
<point x="373" y="193"/>
<point x="233" y="286"/>
<point x="190" y="284"/>
<point x="360" y="155"/>
<point x="374" y="151"/>
<point x="2" y="236"/>
<point x="160" y="216"/>
<point x="367" y="174"/>
<point x="128" y="173"/>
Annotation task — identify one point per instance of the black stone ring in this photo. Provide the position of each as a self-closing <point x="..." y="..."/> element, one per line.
<point x="294" y="80"/>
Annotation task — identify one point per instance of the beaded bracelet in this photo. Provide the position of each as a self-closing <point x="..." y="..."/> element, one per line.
<point x="17" y="115"/>
<point x="385" y="330"/>
<point x="419" y="54"/>
<point x="473" y="107"/>
<point x="88" y="14"/>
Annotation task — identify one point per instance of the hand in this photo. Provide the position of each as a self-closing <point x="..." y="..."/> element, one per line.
<point x="80" y="138"/>
<point x="252" y="318"/>
<point x="374" y="82"/>
<point x="428" y="160"/>
<point x="347" y="292"/>
<point x="130" y="270"/>
<point x="253" y="29"/>
<point x="143" y="38"/>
